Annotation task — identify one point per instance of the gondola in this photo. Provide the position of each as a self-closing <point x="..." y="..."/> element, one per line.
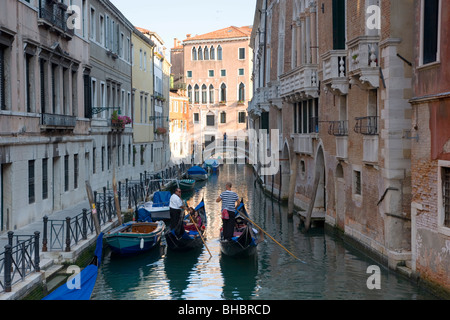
<point x="244" y="241"/>
<point x="189" y="239"/>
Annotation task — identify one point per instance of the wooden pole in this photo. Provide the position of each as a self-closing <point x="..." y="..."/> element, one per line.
<point x="93" y="208"/>
<point x="116" y="195"/>
<point x="201" y="236"/>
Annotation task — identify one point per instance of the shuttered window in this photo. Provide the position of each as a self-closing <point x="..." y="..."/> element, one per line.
<point x="430" y="30"/>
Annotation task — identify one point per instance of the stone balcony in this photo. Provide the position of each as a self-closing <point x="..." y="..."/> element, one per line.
<point x="300" y="83"/>
<point x="363" y="62"/>
<point x="335" y="72"/>
<point x="303" y="143"/>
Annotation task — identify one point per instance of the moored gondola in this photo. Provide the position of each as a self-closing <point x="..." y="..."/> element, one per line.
<point x="244" y="241"/>
<point x="190" y="239"/>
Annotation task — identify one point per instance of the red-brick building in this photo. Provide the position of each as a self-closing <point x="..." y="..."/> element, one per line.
<point x="430" y="134"/>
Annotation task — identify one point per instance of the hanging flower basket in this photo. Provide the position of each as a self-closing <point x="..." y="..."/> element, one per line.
<point x="119" y="121"/>
<point x="161" y="130"/>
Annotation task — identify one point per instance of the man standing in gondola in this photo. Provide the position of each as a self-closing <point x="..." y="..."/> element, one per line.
<point x="230" y="201"/>
<point x="176" y="206"/>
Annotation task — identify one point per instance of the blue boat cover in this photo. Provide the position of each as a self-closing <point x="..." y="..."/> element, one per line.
<point x="144" y="215"/>
<point x="200" y="205"/>
<point x="81" y="290"/>
<point x="196" y="170"/>
<point x="161" y="199"/>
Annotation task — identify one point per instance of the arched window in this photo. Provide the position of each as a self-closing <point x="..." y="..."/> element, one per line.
<point x="194" y="53"/>
<point x="212" y="53"/>
<point x="241" y="94"/>
<point x="200" y="53"/>
<point x="206" y="53"/>
<point x="211" y="94"/>
<point x="190" y="93"/>
<point x="223" y="117"/>
<point x="204" y="94"/>
<point x="210" y="119"/>
<point x="196" y="94"/>
<point x="223" y="92"/>
<point x="219" y="52"/>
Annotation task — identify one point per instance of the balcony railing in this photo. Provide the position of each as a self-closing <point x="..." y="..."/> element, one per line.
<point x="338" y="128"/>
<point x="55" y="14"/>
<point x="367" y="125"/>
<point x="55" y="121"/>
<point x="363" y="56"/>
<point x="335" y="71"/>
<point x="303" y="79"/>
<point x="303" y="143"/>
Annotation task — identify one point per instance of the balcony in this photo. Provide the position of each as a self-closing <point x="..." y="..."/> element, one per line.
<point x="335" y="72"/>
<point x="367" y="125"/>
<point x="58" y="121"/>
<point x="55" y="16"/>
<point x="338" y="128"/>
<point x="303" y="144"/>
<point x="300" y="83"/>
<point x="370" y="149"/>
<point x="363" y="67"/>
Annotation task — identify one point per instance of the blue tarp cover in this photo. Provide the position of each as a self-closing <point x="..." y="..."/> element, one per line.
<point x="144" y="215"/>
<point x="196" y="170"/>
<point x="161" y="198"/>
<point x="87" y="279"/>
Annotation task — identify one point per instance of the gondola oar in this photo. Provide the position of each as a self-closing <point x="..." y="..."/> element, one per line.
<point x="195" y="224"/>
<point x="247" y="218"/>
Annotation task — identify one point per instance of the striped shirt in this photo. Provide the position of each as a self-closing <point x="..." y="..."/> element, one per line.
<point x="229" y="199"/>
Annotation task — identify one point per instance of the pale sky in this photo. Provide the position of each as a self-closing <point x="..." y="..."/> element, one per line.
<point x="175" y="18"/>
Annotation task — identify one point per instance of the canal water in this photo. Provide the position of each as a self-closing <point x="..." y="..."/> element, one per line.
<point x="329" y="268"/>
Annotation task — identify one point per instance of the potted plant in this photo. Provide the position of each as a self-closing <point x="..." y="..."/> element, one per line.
<point x="161" y="130"/>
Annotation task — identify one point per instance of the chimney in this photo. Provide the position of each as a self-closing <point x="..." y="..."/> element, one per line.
<point x="188" y="35"/>
<point x="175" y="42"/>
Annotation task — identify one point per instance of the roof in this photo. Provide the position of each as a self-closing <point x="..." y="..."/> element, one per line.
<point x="225" y="33"/>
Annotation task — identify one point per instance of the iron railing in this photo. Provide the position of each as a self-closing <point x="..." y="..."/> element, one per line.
<point x="338" y="128"/>
<point x="367" y="125"/>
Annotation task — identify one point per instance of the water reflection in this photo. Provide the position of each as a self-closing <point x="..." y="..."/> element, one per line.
<point x="333" y="269"/>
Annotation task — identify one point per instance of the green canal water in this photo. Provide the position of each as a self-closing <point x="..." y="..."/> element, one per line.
<point x="330" y="269"/>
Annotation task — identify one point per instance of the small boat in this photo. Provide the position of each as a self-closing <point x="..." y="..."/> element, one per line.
<point x="82" y="285"/>
<point x="135" y="237"/>
<point x="197" y="173"/>
<point x="186" y="184"/>
<point x="212" y="164"/>
<point x="244" y="241"/>
<point x="157" y="209"/>
<point x="189" y="239"/>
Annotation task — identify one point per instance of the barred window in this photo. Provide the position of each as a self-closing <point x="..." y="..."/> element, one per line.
<point x="446" y="195"/>
<point x="31" y="177"/>
<point x="357" y="182"/>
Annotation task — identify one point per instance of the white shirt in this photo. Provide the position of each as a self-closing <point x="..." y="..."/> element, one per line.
<point x="175" y="202"/>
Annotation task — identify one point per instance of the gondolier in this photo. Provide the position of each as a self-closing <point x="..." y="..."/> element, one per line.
<point x="176" y="206"/>
<point x="230" y="201"/>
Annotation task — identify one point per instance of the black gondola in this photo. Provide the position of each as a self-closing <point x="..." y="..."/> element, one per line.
<point x="189" y="239"/>
<point x="244" y="242"/>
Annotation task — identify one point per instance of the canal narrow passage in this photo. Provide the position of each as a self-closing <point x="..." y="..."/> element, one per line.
<point x="331" y="268"/>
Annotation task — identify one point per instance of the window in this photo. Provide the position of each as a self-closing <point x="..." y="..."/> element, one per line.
<point x="444" y="210"/>
<point x="210" y="119"/>
<point x="223" y="92"/>
<point x="102" y="30"/>
<point x="206" y="54"/>
<point x="212" y="53"/>
<point x="211" y="73"/>
<point x="200" y="53"/>
<point x="29" y="72"/>
<point x="357" y="182"/>
<point x="194" y="54"/>
<point x="211" y="94"/>
<point x="31" y="177"/>
<point x="204" y="94"/>
<point x="2" y="79"/>
<point x="94" y="159"/>
<point x="339" y="24"/>
<point x="190" y="93"/>
<point x="189" y="74"/>
<point x="241" y="71"/>
<point x="219" y="53"/>
<point x="196" y="94"/>
<point x="241" y="93"/>
<point x="223" y="117"/>
<point x="223" y="73"/>
<point x="66" y="173"/>
<point x="44" y="178"/>
<point x="75" y="171"/>
<point x="305" y="116"/>
<point x="92" y="21"/>
<point x="241" y="117"/>
<point x="430" y="31"/>
<point x="241" y="53"/>
<point x="196" y="118"/>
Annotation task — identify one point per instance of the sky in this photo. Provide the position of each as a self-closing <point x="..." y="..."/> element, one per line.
<point x="175" y="18"/>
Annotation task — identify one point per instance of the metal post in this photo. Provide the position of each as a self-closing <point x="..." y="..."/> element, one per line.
<point x="44" y="237"/>
<point x="23" y="253"/>
<point x="7" y="268"/>
<point x="67" y="234"/>
<point x="10" y="238"/>
<point x="37" y="260"/>
<point x="84" y="231"/>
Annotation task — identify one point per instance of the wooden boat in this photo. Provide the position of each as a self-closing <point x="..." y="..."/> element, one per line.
<point x="186" y="184"/>
<point x="197" y="173"/>
<point x="244" y="241"/>
<point x="212" y="165"/>
<point x="135" y="237"/>
<point x="189" y="239"/>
